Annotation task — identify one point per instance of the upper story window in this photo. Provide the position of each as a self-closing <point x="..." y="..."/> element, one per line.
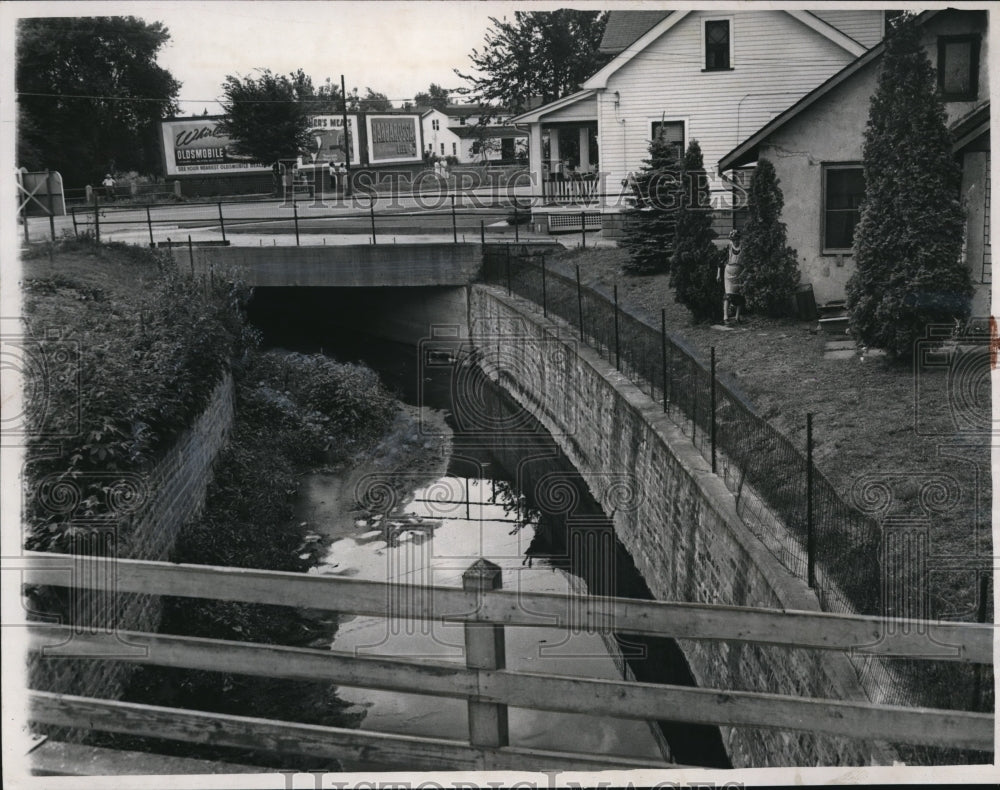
<point x="718" y="44"/>
<point x="461" y="120"/>
<point x="843" y="192"/>
<point x="435" y="124"/>
<point x="958" y="67"/>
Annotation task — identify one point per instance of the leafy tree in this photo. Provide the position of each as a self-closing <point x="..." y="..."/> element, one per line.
<point x="266" y="115"/>
<point x="435" y="96"/>
<point x="770" y="266"/>
<point x="373" y="101"/>
<point x="695" y="265"/>
<point x="651" y="225"/>
<point x="908" y="241"/>
<point x="540" y="53"/>
<point x="90" y="95"/>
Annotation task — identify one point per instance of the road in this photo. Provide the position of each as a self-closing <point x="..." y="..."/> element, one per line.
<point x="426" y="217"/>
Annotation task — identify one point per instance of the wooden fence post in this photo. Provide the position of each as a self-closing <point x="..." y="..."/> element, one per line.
<point x="484" y="649"/>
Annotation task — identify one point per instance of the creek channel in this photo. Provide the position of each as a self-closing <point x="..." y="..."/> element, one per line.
<point x="506" y="493"/>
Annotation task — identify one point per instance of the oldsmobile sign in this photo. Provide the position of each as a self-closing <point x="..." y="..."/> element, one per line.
<point x="197" y="146"/>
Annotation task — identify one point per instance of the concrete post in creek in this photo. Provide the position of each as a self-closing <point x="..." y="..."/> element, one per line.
<point x="484" y="649"/>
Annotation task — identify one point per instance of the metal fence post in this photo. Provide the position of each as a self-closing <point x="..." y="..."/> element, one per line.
<point x="97" y="219"/>
<point x="454" y="222"/>
<point x="191" y="255"/>
<point x="810" y="532"/>
<point x="618" y="353"/>
<point x="984" y="588"/>
<point x="517" y="224"/>
<point x="545" y="298"/>
<point x="583" y="229"/>
<point x="295" y="215"/>
<point x="72" y="211"/>
<point x="579" y="300"/>
<point x="222" y="223"/>
<point x="663" y="353"/>
<point x="149" y="225"/>
<point x="694" y="408"/>
<point x="485" y="649"/>
<point x="712" y="405"/>
<point x="482" y="232"/>
<point x="48" y="199"/>
<point x="371" y="212"/>
<point x="508" y="269"/>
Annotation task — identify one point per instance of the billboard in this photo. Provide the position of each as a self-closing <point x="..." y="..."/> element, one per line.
<point x="196" y="147"/>
<point x="328" y="138"/>
<point x="393" y="138"/>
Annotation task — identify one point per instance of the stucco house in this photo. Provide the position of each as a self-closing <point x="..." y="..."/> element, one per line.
<point x="455" y="130"/>
<point x="710" y="75"/>
<point x="816" y="148"/>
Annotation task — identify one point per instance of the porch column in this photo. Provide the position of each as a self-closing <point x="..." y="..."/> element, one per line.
<point x="584" y="149"/>
<point x="535" y="158"/>
<point x="555" y="160"/>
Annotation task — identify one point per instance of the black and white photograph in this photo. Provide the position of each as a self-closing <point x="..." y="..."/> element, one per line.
<point x="448" y="394"/>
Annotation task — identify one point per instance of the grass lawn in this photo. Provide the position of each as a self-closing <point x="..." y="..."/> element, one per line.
<point x="923" y="432"/>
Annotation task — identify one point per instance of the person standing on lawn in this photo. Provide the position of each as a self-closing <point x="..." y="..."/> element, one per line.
<point x="733" y="277"/>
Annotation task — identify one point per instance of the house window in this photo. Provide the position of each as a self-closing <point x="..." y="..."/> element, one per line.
<point x="435" y="124"/>
<point x="462" y="120"/>
<point x="718" y="42"/>
<point x="454" y="149"/>
<point x="958" y="67"/>
<point x="843" y="192"/>
<point x="673" y="132"/>
<point x="442" y="149"/>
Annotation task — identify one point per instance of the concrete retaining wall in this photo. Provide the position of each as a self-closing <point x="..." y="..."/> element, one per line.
<point x="681" y="525"/>
<point x="151" y="508"/>
<point x="348" y="266"/>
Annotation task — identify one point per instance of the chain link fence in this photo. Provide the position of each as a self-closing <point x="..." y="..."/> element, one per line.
<point x="765" y="471"/>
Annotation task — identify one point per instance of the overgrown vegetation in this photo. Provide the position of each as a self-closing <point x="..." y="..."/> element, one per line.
<point x="651" y="224"/>
<point x="121" y="353"/>
<point x="770" y="266"/>
<point x="696" y="260"/>
<point x="908" y="241"/>
<point x="293" y="412"/>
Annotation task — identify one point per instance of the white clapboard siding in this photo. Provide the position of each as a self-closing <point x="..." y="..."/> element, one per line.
<point x="776" y="59"/>
<point x="865" y="27"/>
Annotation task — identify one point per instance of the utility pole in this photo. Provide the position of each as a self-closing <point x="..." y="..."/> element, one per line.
<point x="347" y="141"/>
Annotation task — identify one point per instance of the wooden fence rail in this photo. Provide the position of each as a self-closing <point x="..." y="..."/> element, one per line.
<point x="489" y="689"/>
<point x="928" y="639"/>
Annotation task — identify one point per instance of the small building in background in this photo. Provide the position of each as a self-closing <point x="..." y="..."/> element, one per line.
<point x="465" y="132"/>
<point x="708" y="75"/>
<point x="816" y="148"/>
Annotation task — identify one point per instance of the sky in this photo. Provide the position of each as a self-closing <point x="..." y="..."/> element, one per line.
<point x="396" y="48"/>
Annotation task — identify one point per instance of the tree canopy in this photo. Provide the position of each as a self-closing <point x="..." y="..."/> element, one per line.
<point x="651" y="224"/>
<point x="770" y="266"/>
<point x="435" y="96"/>
<point x="545" y="54"/>
<point x="266" y="115"/>
<point x="695" y="265"/>
<point x="908" y="240"/>
<point x="90" y="95"/>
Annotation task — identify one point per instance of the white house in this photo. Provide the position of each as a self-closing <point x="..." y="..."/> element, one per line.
<point x="816" y="148"/>
<point x="455" y="130"/>
<point x="710" y="75"/>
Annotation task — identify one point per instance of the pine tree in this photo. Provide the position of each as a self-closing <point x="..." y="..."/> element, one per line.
<point x="770" y="266"/>
<point x="908" y="241"/>
<point x="651" y="224"/>
<point x="695" y="265"/>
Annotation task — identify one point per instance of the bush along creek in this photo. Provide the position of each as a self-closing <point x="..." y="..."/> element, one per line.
<point x="155" y="345"/>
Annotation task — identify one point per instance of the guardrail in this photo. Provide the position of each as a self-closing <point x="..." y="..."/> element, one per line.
<point x="483" y="610"/>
